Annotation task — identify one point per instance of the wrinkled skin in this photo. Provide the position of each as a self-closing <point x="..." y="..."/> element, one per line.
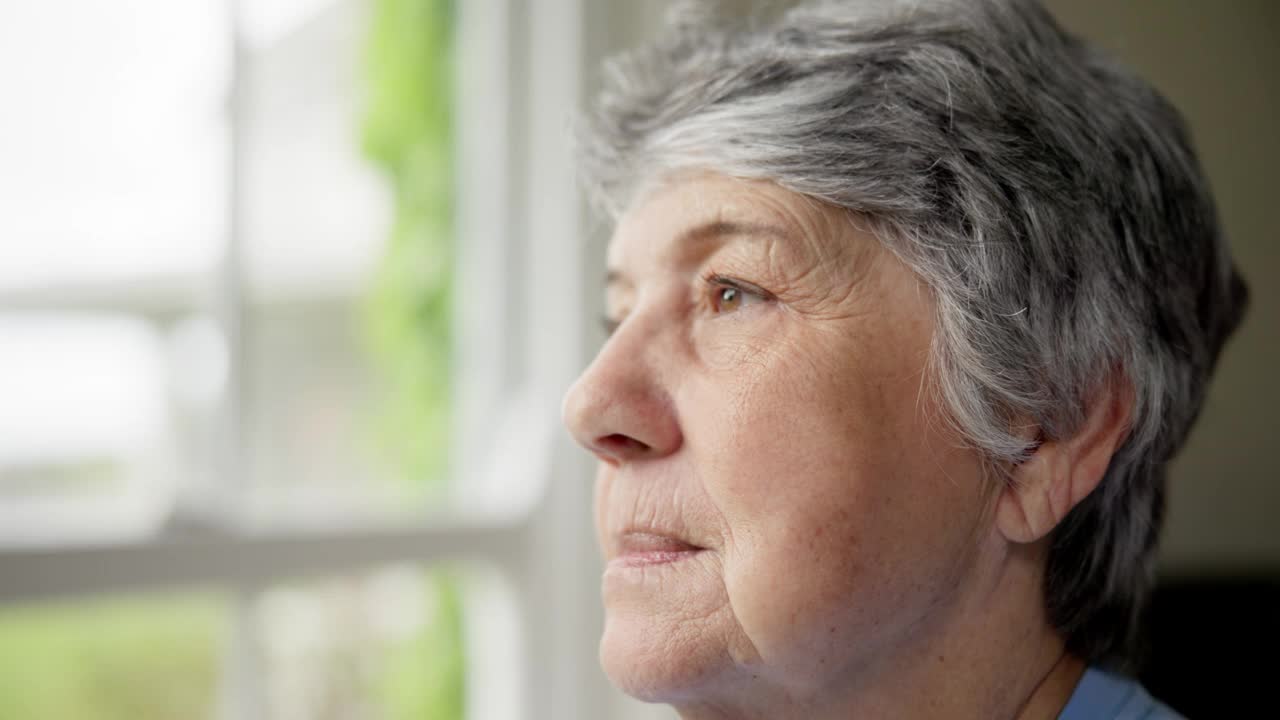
<point x="764" y="401"/>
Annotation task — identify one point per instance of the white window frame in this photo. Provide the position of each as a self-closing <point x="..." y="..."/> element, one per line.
<point x="528" y="269"/>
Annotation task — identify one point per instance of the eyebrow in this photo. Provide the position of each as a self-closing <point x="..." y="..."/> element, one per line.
<point x="711" y="230"/>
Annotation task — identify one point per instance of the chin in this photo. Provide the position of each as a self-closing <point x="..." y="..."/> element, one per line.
<point x="654" y="663"/>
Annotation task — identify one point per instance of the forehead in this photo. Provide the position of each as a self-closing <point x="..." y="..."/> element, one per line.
<point x="678" y="218"/>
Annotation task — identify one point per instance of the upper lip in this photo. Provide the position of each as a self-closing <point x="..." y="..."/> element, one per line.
<point x="647" y="539"/>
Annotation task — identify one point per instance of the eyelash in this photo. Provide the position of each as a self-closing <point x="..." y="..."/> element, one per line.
<point x="714" y="283"/>
<point x="717" y="283"/>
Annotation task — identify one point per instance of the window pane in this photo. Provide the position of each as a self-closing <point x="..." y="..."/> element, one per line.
<point x="151" y="657"/>
<point x="344" y="185"/>
<point x="86" y="428"/>
<point x="347" y="217"/>
<point x="114" y="139"/>
<point x="116" y="153"/>
<point x="386" y="645"/>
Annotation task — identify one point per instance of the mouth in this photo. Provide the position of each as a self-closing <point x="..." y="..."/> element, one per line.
<point x="644" y="548"/>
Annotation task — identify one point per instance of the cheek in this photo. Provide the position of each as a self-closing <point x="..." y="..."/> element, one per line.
<point x="831" y="485"/>
<point x="736" y="348"/>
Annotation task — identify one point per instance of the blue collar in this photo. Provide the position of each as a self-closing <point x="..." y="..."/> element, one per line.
<point x="1104" y="696"/>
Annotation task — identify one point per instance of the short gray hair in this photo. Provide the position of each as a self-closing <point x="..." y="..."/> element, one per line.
<point x="1050" y="198"/>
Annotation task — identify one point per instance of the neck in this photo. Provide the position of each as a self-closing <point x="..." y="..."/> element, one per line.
<point x="991" y="653"/>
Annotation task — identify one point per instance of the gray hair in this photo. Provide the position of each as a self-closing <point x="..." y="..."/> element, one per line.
<point x="1049" y="197"/>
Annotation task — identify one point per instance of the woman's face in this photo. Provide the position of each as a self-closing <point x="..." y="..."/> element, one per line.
<point x="779" y="501"/>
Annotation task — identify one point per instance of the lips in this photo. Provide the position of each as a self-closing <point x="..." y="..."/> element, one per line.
<point x="638" y="548"/>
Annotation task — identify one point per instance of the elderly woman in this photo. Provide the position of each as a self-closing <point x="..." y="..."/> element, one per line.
<point x="911" y="304"/>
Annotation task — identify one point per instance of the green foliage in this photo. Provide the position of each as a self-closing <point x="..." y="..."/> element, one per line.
<point x="117" y="660"/>
<point x="407" y="135"/>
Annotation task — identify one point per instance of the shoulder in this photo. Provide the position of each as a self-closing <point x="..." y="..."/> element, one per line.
<point x="1101" y="695"/>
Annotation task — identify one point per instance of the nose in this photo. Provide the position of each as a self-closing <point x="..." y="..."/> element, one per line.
<point x="620" y="408"/>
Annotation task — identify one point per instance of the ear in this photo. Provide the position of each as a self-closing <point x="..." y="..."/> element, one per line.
<point x="1063" y="471"/>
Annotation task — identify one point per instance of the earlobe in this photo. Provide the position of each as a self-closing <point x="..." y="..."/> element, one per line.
<point x="1063" y="471"/>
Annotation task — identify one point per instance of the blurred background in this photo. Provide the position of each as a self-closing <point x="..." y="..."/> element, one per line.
<point x="289" y="290"/>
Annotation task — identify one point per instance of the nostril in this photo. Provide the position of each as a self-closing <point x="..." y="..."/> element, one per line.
<point x="617" y="446"/>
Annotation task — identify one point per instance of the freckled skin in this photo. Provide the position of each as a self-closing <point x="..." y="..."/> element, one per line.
<point x="795" y="440"/>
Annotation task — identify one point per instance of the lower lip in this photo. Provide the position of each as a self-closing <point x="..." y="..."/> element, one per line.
<point x="651" y="558"/>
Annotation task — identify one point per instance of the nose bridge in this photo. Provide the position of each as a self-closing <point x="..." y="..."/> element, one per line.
<point x="620" y="407"/>
<point x="640" y="345"/>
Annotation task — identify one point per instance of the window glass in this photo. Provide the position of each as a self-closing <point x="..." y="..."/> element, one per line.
<point x="115" y="152"/>
<point x="88" y="441"/>
<point x="384" y="645"/>
<point x="122" y="658"/>
<point x="134" y="152"/>
<point x="118" y="146"/>
<point x="347" y="214"/>
<point x="114" y="140"/>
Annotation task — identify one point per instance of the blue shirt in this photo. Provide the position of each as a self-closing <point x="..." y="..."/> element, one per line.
<point x="1104" y="696"/>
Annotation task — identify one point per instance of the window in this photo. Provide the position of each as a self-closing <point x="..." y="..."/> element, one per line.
<point x="214" y="501"/>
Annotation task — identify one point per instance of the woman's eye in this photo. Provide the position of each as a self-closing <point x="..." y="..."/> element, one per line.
<point x="732" y="295"/>
<point x="728" y="298"/>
